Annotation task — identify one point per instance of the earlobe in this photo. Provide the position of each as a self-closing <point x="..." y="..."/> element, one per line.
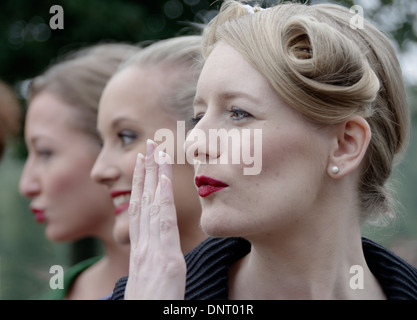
<point x="353" y="137"/>
<point x="335" y="169"/>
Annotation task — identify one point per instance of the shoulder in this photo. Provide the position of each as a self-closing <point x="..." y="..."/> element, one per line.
<point x="218" y="249"/>
<point x="72" y="273"/>
<point x="208" y="265"/>
<point x="119" y="289"/>
<point x="397" y="277"/>
<point x="69" y="277"/>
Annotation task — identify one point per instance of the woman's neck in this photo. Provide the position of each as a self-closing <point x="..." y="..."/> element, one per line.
<point x="306" y="262"/>
<point x="190" y="236"/>
<point x="98" y="280"/>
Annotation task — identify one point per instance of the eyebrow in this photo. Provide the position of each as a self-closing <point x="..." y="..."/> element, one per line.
<point x="116" y="122"/>
<point x="41" y="138"/>
<point x="34" y="140"/>
<point x="226" y="96"/>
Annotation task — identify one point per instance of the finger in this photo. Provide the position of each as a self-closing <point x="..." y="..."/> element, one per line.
<point x="154" y="211"/>
<point x="168" y="215"/>
<point x="169" y="233"/>
<point x="151" y="173"/>
<point x="149" y="188"/>
<point x="165" y="165"/>
<point x="134" y="210"/>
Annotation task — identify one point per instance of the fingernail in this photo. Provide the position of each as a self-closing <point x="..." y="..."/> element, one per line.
<point x="140" y="159"/>
<point x="161" y="157"/>
<point x="149" y="147"/>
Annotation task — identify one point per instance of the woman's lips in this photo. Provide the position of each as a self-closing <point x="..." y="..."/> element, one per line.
<point x="39" y="214"/>
<point x="121" y="200"/>
<point x="119" y="209"/>
<point x="207" y="185"/>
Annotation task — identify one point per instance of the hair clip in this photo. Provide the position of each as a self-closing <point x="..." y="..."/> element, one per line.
<point x="252" y="10"/>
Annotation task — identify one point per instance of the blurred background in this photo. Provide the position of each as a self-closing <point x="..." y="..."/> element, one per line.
<point x="28" y="45"/>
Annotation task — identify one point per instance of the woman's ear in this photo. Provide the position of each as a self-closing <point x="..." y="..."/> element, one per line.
<point x="353" y="137"/>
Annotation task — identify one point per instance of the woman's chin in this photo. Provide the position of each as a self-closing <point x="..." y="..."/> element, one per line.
<point x="121" y="229"/>
<point x="216" y="228"/>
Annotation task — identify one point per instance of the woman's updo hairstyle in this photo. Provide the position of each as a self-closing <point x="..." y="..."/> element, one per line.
<point x="328" y="70"/>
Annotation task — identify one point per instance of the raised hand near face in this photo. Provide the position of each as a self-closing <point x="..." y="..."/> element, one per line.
<point x="157" y="266"/>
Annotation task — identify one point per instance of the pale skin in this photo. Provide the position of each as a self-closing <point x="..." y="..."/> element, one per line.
<point x="132" y="108"/>
<point x="131" y="111"/>
<point x="301" y="218"/>
<point x="56" y="179"/>
<point x="153" y="229"/>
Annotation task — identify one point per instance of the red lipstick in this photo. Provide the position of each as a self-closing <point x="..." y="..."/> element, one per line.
<point x="116" y="193"/>
<point x="121" y="200"/>
<point x="207" y="185"/>
<point x="39" y="214"/>
<point x="119" y="209"/>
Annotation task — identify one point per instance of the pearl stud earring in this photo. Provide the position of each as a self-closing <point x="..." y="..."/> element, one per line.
<point x="335" y="169"/>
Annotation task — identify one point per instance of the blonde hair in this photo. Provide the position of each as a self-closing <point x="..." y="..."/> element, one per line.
<point x="10" y="114"/>
<point x="327" y="71"/>
<point x="178" y="54"/>
<point x="80" y="76"/>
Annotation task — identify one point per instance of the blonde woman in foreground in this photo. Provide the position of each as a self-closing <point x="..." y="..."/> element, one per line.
<point x="331" y="105"/>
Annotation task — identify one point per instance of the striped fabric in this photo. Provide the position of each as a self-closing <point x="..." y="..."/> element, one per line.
<point x="208" y="265"/>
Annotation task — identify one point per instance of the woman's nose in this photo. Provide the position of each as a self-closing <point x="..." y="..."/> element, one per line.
<point x="103" y="172"/>
<point x="202" y="144"/>
<point x="29" y="185"/>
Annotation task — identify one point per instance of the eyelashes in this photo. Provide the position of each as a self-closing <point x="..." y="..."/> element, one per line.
<point x="239" y="114"/>
<point x="44" y="153"/>
<point x="196" y="119"/>
<point x="127" y="136"/>
<point x="236" y="115"/>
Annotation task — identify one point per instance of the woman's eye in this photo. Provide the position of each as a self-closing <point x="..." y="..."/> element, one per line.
<point x="44" y="153"/>
<point x="197" y="118"/>
<point x="127" y="137"/>
<point x="239" y="114"/>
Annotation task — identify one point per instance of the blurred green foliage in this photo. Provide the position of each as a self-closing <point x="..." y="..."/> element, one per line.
<point x="28" y="45"/>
